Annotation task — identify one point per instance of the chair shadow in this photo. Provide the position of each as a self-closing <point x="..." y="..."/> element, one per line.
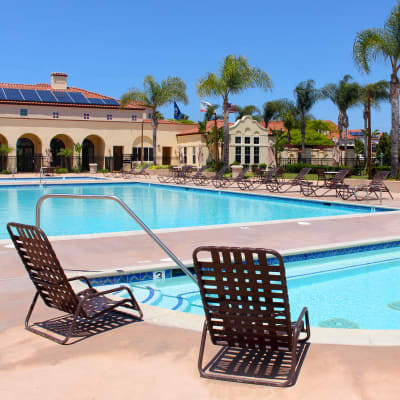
<point x="272" y="367"/>
<point x="85" y="328"/>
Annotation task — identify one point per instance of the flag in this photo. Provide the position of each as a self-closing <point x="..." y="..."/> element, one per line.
<point x="231" y="108"/>
<point x="177" y="111"/>
<point x="204" y="106"/>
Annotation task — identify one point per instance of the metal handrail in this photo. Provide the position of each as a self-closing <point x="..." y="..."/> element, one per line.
<point x="128" y="210"/>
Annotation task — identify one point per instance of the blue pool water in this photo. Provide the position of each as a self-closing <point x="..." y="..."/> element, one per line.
<point x="157" y="205"/>
<point x="349" y="291"/>
<point x="53" y="178"/>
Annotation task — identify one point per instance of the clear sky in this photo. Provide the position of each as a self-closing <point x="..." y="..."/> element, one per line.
<point x="109" y="46"/>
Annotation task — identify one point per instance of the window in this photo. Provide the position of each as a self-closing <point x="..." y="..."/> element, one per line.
<point x="55" y="115"/>
<point x="247" y="140"/>
<point x="256" y="140"/>
<point x="109" y="117"/>
<point x="147" y="154"/>
<point x="238" y="140"/>
<point x="149" y="115"/>
<point x="134" y="117"/>
<point x="238" y="154"/>
<point x="247" y="154"/>
<point x="256" y="155"/>
<point x="185" y="155"/>
<point x="23" y="112"/>
<point x="193" y="155"/>
<point x="86" y="116"/>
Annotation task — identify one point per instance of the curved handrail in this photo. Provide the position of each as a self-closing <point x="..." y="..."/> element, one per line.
<point x="128" y="210"/>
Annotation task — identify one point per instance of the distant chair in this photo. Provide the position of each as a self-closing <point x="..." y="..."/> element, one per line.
<point x="362" y="192"/>
<point x="308" y="188"/>
<point x="246" y="305"/>
<point x="296" y="181"/>
<point x="224" y="182"/>
<point x="54" y="287"/>
<point x="141" y="172"/>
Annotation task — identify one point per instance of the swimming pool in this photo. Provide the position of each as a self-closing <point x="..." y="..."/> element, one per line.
<point x="52" y="178"/>
<point x="159" y="206"/>
<point x="357" y="290"/>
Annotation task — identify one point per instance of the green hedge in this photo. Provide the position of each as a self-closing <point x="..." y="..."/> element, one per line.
<point x="295" y="168"/>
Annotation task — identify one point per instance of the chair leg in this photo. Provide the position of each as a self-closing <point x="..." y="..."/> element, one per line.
<point x="201" y="352"/>
<point x="28" y="316"/>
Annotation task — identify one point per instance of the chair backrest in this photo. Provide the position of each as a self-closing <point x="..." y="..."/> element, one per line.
<point x="242" y="174"/>
<point x="43" y="267"/>
<point x="279" y="172"/>
<point x="321" y="174"/>
<point x="221" y="172"/>
<point x="339" y="177"/>
<point x="269" y="174"/>
<point x="200" y="171"/>
<point x="379" y="177"/>
<point x="303" y="172"/>
<point x="245" y="297"/>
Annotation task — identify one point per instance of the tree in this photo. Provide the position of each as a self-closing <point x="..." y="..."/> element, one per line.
<point x="306" y="95"/>
<point x="371" y="95"/>
<point x="344" y="95"/>
<point x="156" y="95"/>
<point x="78" y="149"/>
<point x="234" y="76"/>
<point x="66" y="154"/>
<point x="4" y="151"/>
<point x="359" y="146"/>
<point x="271" y="110"/>
<point x="250" y="109"/>
<point x="279" y="141"/>
<point x="383" y="148"/>
<point x="384" y="43"/>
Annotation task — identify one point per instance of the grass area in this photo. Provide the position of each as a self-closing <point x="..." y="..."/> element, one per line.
<point x="314" y="177"/>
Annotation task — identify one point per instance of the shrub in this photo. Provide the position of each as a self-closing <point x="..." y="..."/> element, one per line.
<point x="61" y="170"/>
<point x="75" y="170"/>
<point x="262" y="166"/>
<point x="159" y="167"/>
<point x="5" y="172"/>
<point x="103" y="171"/>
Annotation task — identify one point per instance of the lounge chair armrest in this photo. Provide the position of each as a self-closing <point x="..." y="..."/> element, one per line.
<point x="96" y="294"/>
<point x="299" y="322"/>
<point x="81" y="278"/>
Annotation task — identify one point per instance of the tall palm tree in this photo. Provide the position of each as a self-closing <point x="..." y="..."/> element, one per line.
<point x="371" y="95"/>
<point x="233" y="77"/>
<point x="156" y="95"/>
<point x="384" y="43"/>
<point x="208" y="116"/>
<point x="306" y="95"/>
<point x="271" y="110"/>
<point x="247" y="110"/>
<point x="344" y="95"/>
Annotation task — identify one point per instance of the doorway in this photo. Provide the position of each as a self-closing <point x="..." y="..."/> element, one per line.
<point x="166" y="155"/>
<point x="118" y="157"/>
<point x="25" y="155"/>
<point x="87" y="154"/>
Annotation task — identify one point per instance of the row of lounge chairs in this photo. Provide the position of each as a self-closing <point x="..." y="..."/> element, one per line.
<point x="130" y="170"/>
<point x="243" y="290"/>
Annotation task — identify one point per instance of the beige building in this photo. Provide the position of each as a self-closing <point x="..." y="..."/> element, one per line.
<point x="37" y="121"/>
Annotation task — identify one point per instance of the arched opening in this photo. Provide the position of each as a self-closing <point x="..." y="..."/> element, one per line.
<point x="57" y="144"/>
<point x="93" y="152"/>
<point x="3" y="152"/>
<point x="29" y="153"/>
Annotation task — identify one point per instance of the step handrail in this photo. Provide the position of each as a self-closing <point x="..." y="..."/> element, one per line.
<point x="128" y="210"/>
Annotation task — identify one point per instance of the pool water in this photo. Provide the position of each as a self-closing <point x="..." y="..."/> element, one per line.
<point x="158" y="206"/>
<point x="359" y="291"/>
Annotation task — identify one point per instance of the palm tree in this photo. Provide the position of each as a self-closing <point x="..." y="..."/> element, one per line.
<point x="156" y="95"/>
<point x="306" y="95"/>
<point x="4" y="150"/>
<point x="78" y="149"/>
<point x="66" y="154"/>
<point x="271" y="110"/>
<point x="344" y="95"/>
<point x="371" y="95"/>
<point x="384" y="43"/>
<point x="234" y="76"/>
<point x="247" y="110"/>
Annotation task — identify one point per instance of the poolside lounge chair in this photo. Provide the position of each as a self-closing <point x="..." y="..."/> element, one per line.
<point x="308" y="188"/>
<point x="141" y="172"/>
<point x="183" y="175"/>
<point x="225" y="182"/>
<point x="202" y="180"/>
<point x="271" y="180"/>
<point x="296" y="181"/>
<point x="376" y="186"/>
<point x="54" y="287"/>
<point x="199" y="174"/>
<point x="168" y="178"/>
<point x="246" y="306"/>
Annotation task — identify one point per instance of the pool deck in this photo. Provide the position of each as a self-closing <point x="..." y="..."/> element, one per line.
<point x="153" y="359"/>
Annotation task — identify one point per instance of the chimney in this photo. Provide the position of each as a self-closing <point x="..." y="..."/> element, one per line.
<point x="59" y="81"/>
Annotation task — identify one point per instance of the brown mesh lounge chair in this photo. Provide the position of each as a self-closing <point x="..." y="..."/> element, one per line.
<point x="141" y="171"/>
<point x="362" y="192"/>
<point x="271" y="180"/>
<point x="183" y="175"/>
<point x="246" y="306"/>
<point x="308" y="188"/>
<point x="202" y="180"/>
<point x="296" y="181"/>
<point x="225" y="182"/>
<point x="199" y="174"/>
<point x="170" y="177"/>
<point x="54" y="287"/>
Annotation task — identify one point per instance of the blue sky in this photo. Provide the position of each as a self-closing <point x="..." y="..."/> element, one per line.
<point x="108" y="47"/>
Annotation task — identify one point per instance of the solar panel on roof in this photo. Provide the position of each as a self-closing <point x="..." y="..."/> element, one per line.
<point x="30" y="95"/>
<point x="79" y="98"/>
<point x="96" y="101"/>
<point x="2" y="94"/>
<point x="13" y="94"/>
<point x="46" y="96"/>
<point x="62" y="97"/>
<point x="111" y="102"/>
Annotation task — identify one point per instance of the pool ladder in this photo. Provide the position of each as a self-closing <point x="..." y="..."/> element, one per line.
<point x="128" y="210"/>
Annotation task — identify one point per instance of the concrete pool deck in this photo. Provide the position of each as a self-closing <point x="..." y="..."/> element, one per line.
<point x="152" y="360"/>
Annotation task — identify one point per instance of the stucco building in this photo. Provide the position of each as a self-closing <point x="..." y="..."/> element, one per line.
<point x="37" y="121"/>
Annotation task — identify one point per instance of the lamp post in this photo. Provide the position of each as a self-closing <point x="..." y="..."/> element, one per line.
<point x="215" y="140"/>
